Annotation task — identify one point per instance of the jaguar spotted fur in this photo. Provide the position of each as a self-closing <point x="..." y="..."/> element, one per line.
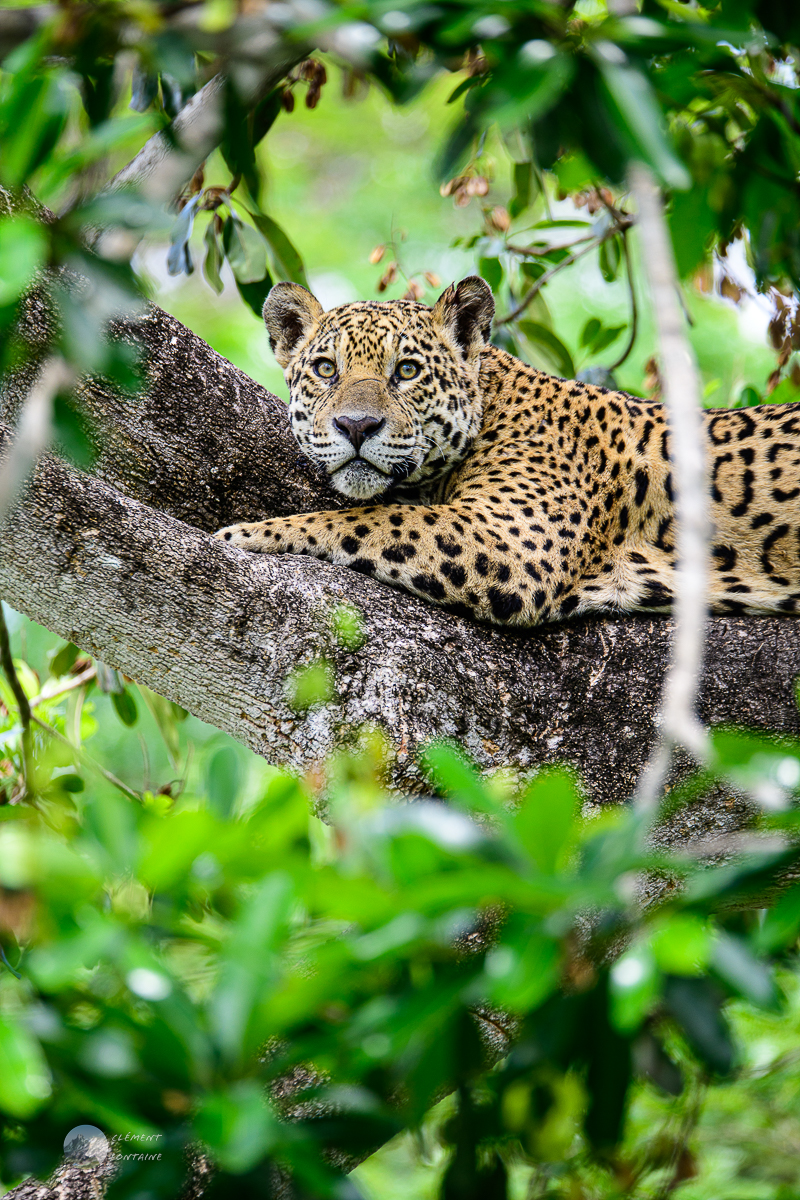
<point x="485" y="484"/>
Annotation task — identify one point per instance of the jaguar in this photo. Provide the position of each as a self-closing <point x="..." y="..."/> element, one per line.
<point x="484" y="484"/>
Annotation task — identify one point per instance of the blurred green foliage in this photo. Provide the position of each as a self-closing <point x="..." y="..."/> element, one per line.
<point x="189" y="956"/>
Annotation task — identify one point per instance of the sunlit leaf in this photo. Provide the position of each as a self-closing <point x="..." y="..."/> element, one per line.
<point x="125" y="707"/>
<point x="24" y="1076"/>
<point x="285" y="258"/>
<point x="245" y="250"/>
<point x="550" y="346"/>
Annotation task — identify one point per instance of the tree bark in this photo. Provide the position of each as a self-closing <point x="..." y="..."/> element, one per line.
<point x="119" y="561"/>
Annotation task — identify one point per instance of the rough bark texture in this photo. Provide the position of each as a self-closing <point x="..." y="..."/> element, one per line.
<point x="120" y="562"/>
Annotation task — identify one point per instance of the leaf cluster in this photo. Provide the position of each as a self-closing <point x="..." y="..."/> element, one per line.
<point x="183" y="967"/>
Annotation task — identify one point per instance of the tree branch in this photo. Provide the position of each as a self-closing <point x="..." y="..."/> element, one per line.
<point x="119" y="563"/>
<point x="167" y="161"/>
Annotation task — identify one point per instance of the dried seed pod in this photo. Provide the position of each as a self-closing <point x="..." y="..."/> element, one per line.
<point x="730" y="289"/>
<point x="652" y="378"/>
<point x="287" y="100"/>
<point x="414" y="291"/>
<point x="312" y="95"/>
<point x="794" y="330"/>
<point x="773" y="381"/>
<point x="478" y="185"/>
<point x="499" y="219"/>
<point x="377" y="254"/>
<point x="388" y="277"/>
<point x="777" y="330"/>
<point x="432" y="278"/>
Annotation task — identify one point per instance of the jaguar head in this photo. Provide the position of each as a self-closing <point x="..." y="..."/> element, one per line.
<point x="382" y="393"/>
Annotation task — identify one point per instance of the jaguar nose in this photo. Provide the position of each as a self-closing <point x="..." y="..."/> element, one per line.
<point x="358" y="429"/>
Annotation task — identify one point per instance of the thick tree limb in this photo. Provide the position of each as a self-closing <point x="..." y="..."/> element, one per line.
<point x="118" y="562"/>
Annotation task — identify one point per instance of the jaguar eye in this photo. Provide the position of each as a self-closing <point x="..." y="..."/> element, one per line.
<point x="325" y="368"/>
<point x="407" y="369"/>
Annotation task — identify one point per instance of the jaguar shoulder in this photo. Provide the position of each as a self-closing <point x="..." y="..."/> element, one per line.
<point x="482" y="483"/>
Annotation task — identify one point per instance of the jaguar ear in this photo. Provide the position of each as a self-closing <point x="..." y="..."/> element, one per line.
<point x="290" y="313"/>
<point x="465" y="311"/>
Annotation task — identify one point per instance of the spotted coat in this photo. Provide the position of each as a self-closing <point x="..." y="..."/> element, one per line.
<point x="506" y="492"/>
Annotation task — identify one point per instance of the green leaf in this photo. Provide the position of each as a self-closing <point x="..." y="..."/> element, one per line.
<point x="24" y="1077"/>
<point x="551" y="347"/>
<point x="682" y="944"/>
<point x="590" y="331"/>
<point x="71" y="783"/>
<point x="249" y="962"/>
<point x="522" y="174"/>
<point x="455" y="776"/>
<point x="63" y="659"/>
<point x="223" y="780"/>
<point x="491" y="269"/>
<point x="609" y="258"/>
<point x="266" y="113"/>
<point x="254" y="294"/>
<point x="245" y="250"/>
<point x="547" y="816"/>
<point x="237" y="1126"/>
<point x="606" y="337"/>
<point x="34" y="117"/>
<point x="522" y="976"/>
<point x="70" y="432"/>
<point x="742" y="971"/>
<point x="781" y="927"/>
<point x="310" y="686"/>
<point x="574" y="171"/>
<point x="213" y="259"/>
<point x="633" y="988"/>
<point x="640" y="116"/>
<point x="125" y="707"/>
<point x="285" y="258"/>
<point x="347" y="626"/>
<point x="23" y="248"/>
<point x="696" y="1005"/>
<point x="748" y="397"/>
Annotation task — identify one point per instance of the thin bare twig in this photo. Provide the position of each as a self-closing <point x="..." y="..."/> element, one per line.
<point x="538" y="251"/>
<point x="167" y="162"/>
<point x="682" y="398"/>
<point x="87" y="759"/>
<point x="23" y="704"/>
<point x="626" y="250"/>
<point x="77" y="681"/>
<point x="533" y="291"/>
